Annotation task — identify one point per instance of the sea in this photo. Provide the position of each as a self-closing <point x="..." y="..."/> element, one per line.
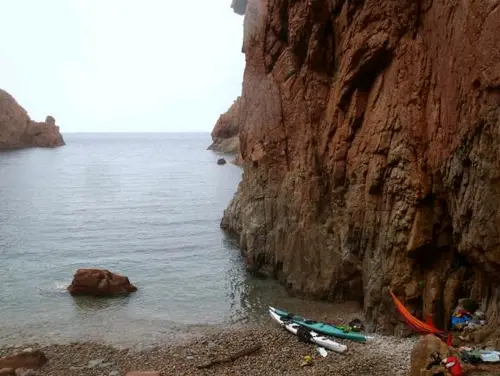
<point x="144" y="205"/>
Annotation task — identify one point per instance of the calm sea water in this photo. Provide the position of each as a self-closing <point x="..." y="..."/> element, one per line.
<point x="144" y="205"/>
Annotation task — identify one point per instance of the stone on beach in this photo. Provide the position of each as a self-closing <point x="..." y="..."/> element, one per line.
<point x="25" y="372"/>
<point x="421" y="353"/>
<point x="25" y="359"/>
<point x="99" y="363"/>
<point x="99" y="282"/>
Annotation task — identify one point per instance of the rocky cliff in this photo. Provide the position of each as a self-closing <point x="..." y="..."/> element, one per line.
<point x="17" y="130"/>
<point x="370" y="136"/>
<point x="225" y="135"/>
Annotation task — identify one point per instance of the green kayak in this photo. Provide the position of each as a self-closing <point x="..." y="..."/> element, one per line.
<point x="320" y="327"/>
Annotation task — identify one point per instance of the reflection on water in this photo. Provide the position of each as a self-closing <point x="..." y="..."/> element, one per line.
<point x="250" y="296"/>
<point x="84" y="304"/>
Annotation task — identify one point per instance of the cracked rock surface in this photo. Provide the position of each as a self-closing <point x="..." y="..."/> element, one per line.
<point x="369" y="135"/>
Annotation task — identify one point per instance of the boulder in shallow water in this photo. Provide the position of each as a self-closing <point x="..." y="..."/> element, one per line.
<point x="25" y="359"/>
<point x="221" y="161"/>
<point x="99" y="282"/>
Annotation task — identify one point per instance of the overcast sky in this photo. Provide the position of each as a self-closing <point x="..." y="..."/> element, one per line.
<point x="122" y="65"/>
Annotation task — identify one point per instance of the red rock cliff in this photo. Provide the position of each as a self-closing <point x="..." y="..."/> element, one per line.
<point x="17" y="130"/>
<point x="370" y="134"/>
<point x="225" y="135"/>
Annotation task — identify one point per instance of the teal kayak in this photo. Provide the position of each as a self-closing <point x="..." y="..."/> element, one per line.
<point x="320" y="327"/>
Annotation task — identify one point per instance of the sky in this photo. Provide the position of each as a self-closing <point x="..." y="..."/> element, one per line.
<point x="122" y="65"/>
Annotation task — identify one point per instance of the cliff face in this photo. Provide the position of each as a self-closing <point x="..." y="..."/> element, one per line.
<point x="225" y="135"/>
<point x="370" y="137"/>
<point x="17" y="130"/>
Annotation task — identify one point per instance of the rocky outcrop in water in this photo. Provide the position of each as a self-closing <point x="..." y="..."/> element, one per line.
<point x="225" y="135"/>
<point x="17" y="130"/>
<point x="370" y="135"/>
<point x="99" y="282"/>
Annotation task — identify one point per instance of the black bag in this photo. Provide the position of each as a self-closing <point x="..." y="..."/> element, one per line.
<point x="356" y="325"/>
<point x="303" y="334"/>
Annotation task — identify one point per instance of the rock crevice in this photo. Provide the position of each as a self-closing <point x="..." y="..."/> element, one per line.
<point x="369" y="136"/>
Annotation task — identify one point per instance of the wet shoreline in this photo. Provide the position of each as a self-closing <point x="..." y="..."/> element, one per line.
<point x="280" y="354"/>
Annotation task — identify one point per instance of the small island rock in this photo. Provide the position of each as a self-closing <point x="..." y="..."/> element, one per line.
<point x="99" y="282"/>
<point x="18" y="130"/>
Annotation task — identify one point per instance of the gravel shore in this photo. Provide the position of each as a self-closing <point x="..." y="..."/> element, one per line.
<point x="280" y="354"/>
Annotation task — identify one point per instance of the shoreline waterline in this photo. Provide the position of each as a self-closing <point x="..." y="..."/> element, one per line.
<point x="281" y="353"/>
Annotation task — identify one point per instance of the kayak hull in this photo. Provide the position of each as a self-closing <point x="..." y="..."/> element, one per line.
<point x="319" y="327"/>
<point x="316" y="338"/>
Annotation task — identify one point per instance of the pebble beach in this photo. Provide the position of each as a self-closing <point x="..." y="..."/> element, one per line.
<point x="280" y="353"/>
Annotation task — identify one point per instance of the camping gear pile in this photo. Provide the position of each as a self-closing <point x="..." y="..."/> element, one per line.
<point x="475" y="355"/>
<point x="467" y="315"/>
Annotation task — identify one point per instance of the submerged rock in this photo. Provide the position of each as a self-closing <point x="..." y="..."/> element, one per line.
<point x="99" y="282"/>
